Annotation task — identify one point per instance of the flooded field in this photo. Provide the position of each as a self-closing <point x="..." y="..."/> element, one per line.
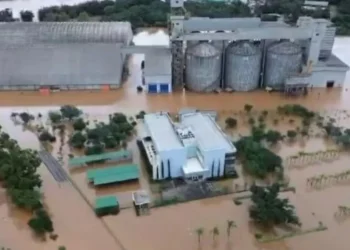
<point x="173" y="227"/>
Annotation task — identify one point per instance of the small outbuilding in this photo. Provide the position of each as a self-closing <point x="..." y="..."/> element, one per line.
<point x="106" y="205"/>
<point x="141" y="201"/>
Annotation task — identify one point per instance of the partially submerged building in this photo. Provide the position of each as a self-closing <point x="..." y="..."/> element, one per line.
<point x="62" y="55"/>
<point x="194" y="149"/>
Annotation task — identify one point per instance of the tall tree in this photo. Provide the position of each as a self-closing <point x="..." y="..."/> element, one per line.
<point x="268" y="209"/>
<point x="199" y="232"/>
<point x="230" y="224"/>
<point x="215" y="233"/>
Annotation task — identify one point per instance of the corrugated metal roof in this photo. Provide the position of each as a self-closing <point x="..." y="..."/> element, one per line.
<point x="61" y="64"/>
<point x="63" y="32"/>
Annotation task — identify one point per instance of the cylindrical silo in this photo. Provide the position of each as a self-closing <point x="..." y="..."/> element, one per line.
<point x="282" y="60"/>
<point x="242" y="67"/>
<point x="203" y="67"/>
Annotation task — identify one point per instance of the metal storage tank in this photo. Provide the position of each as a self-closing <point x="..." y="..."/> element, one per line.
<point x="282" y="60"/>
<point x="242" y="67"/>
<point x="203" y="67"/>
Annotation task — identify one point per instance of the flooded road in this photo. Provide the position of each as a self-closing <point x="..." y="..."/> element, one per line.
<point x="173" y="227"/>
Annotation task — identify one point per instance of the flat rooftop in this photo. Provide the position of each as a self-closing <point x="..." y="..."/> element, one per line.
<point x="162" y="132"/>
<point x="106" y="201"/>
<point x="332" y="61"/>
<point x="209" y="136"/>
<point x="192" y="166"/>
<point x="157" y="64"/>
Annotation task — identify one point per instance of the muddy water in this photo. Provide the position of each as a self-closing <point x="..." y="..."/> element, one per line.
<point x="173" y="227"/>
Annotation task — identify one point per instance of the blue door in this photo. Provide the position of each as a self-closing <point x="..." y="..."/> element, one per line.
<point x="152" y="88"/>
<point x="164" y="88"/>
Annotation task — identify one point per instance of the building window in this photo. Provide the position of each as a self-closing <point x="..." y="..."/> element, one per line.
<point x="330" y="84"/>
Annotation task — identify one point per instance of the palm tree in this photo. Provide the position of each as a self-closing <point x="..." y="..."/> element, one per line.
<point x="230" y="224"/>
<point x="199" y="232"/>
<point x="215" y="232"/>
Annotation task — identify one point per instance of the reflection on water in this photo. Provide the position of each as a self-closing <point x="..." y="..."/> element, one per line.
<point x="173" y="227"/>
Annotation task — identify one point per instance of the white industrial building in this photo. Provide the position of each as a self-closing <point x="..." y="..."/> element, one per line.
<point x="157" y="72"/>
<point x="195" y="149"/>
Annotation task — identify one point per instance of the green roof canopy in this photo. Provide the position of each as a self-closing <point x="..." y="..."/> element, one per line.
<point x="113" y="174"/>
<point x="106" y="202"/>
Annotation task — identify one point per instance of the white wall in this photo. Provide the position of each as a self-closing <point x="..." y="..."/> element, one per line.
<point x="158" y="79"/>
<point x="177" y="158"/>
<point x="218" y="157"/>
<point x="320" y="78"/>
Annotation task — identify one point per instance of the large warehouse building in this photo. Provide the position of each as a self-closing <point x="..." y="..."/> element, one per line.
<point x="194" y="149"/>
<point x="67" y="55"/>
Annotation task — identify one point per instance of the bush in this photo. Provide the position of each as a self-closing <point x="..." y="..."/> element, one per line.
<point x="248" y="108"/>
<point x="291" y="134"/>
<point x="231" y="122"/>
<point x="41" y="222"/>
<point x="77" y="140"/>
<point x="46" y="137"/>
<point x="251" y="121"/>
<point x="70" y="111"/>
<point x="273" y="136"/>
<point x="261" y="119"/>
<point x="25" y="117"/>
<point x="27" y="16"/>
<point x="79" y="124"/>
<point x="55" y="117"/>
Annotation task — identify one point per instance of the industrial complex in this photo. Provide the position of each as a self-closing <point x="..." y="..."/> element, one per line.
<point x="203" y="55"/>
<point x="195" y="148"/>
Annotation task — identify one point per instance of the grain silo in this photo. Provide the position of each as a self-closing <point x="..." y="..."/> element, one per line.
<point x="242" y="67"/>
<point x="282" y="60"/>
<point x="203" y="67"/>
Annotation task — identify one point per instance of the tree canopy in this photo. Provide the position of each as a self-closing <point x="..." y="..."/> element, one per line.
<point x="18" y="175"/>
<point x="27" y="16"/>
<point x="257" y="160"/>
<point x="268" y="210"/>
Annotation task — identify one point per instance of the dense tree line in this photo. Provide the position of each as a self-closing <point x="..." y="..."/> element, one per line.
<point x="141" y="13"/>
<point x="154" y="13"/>
<point x="18" y="174"/>
<point x="342" y="19"/>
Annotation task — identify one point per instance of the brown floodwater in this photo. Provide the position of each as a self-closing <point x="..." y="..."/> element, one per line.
<point x="173" y="227"/>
